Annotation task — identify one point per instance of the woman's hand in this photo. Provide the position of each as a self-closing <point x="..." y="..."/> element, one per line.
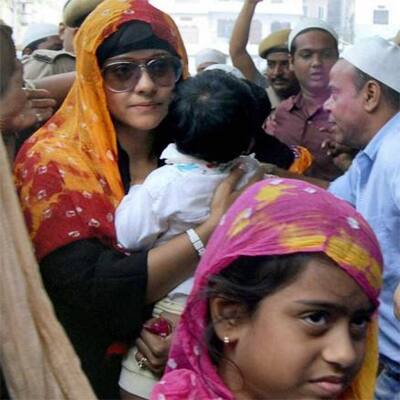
<point x="38" y="109"/>
<point x="153" y="348"/>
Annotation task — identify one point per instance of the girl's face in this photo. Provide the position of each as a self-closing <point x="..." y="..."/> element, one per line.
<point x="144" y="106"/>
<point x="306" y="341"/>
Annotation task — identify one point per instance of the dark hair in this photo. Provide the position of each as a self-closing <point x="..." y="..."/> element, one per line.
<point x="262" y="105"/>
<point x="293" y="46"/>
<point x="267" y="148"/>
<point x="131" y="35"/>
<point x="213" y="116"/>
<point x="360" y="78"/>
<point x="247" y="281"/>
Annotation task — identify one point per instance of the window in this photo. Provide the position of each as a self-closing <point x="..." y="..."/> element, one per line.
<point x="277" y="25"/>
<point x="224" y="28"/>
<point x="276" y="1"/>
<point x="321" y="12"/>
<point x="190" y="33"/>
<point x="255" y="32"/>
<point x="305" y="11"/>
<point x="381" y="17"/>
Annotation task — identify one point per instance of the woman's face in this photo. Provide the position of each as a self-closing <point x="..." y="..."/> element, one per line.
<point x="144" y="106"/>
<point x="306" y="341"/>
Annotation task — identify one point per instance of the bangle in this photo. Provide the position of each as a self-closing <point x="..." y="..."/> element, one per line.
<point x="196" y="241"/>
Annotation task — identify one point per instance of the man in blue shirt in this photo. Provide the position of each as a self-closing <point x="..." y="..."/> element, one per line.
<point x="364" y="106"/>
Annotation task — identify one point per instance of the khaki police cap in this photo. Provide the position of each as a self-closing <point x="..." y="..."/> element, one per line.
<point x="277" y="39"/>
<point x="75" y="11"/>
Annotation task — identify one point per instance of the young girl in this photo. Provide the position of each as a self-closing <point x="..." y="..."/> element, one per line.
<point x="283" y="302"/>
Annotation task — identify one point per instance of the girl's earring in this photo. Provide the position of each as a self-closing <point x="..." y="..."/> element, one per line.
<point x="226" y="339"/>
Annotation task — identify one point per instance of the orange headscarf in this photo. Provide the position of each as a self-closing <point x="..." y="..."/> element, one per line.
<point x="67" y="173"/>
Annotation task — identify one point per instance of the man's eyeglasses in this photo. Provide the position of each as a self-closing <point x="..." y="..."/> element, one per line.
<point x="122" y="76"/>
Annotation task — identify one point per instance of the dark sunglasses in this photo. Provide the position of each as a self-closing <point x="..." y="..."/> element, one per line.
<point x="122" y="76"/>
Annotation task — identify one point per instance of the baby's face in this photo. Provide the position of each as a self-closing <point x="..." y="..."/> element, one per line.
<point x="305" y="341"/>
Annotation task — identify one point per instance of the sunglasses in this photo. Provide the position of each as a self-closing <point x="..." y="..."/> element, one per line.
<point x="123" y="76"/>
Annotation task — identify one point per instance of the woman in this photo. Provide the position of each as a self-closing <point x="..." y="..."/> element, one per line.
<point x="74" y="171"/>
<point x="19" y="108"/>
<point x="37" y="361"/>
<point x="283" y="302"/>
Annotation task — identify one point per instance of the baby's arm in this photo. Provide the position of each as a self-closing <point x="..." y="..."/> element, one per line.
<point x="137" y="223"/>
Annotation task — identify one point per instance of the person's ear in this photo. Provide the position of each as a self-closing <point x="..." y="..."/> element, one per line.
<point x="372" y="94"/>
<point x="228" y="318"/>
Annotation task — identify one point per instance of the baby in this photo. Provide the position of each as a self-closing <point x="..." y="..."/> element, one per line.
<point x="213" y="119"/>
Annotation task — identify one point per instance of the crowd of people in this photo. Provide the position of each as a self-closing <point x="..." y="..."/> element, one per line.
<point x="234" y="234"/>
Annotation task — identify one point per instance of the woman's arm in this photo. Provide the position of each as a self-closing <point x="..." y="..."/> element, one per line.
<point x="87" y="279"/>
<point x="175" y="261"/>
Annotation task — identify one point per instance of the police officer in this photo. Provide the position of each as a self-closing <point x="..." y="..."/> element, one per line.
<point x="43" y="62"/>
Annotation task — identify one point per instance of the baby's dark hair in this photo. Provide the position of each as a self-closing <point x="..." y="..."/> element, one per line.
<point x="213" y="116"/>
<point x="267" y="148"/>
<point x="247" y="281"/>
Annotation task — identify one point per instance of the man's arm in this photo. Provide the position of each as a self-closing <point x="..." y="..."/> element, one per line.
<point x="237" y="46"/>
<point x="57" y="85"/>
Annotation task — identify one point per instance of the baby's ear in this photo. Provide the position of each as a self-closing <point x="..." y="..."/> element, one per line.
<point x="229" y="319"/>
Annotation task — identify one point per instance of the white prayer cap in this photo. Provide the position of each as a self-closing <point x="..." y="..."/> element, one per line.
<point x="377" y="57"/>
<point x="310" y="23"/>
<point x="210" y="56"/>
<point x="38" y="31"/>
<point x="227" y="68"/>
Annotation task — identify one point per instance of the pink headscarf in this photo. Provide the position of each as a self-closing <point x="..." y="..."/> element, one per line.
<point x="273" y="217"/>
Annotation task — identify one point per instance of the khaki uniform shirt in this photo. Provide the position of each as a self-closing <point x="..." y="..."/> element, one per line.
<point x="43" y="63"/>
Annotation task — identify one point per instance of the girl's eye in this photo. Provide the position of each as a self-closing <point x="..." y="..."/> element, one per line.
<point x="318" y="318"/>
<point x="360" y="323"/>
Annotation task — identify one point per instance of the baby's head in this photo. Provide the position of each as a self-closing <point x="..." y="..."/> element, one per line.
<point x="285" y="296"/>
<point x="213" y="116"/>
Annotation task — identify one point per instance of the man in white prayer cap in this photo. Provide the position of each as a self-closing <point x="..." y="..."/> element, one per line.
<point x="229" y="69"/>
<point x="207" y="57"/>
<point x="301" y="120"/>
<point x="40" y="36"/>
<point x="364" y="106"/>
